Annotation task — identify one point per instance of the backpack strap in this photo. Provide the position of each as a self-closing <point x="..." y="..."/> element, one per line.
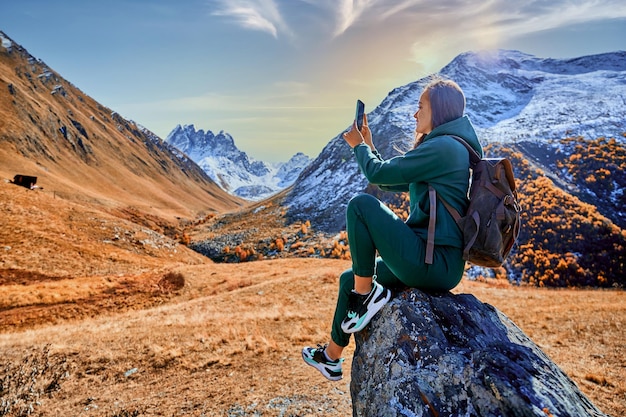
<point x="457" y="217"/>
<point x="432" y="220"/>
<point x="433" y="197"/>
<point x="430" y="243"/>
<point x="474" y="157"/>
<point x="453" y="212"/>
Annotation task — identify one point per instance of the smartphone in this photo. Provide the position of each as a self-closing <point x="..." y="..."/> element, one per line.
<point x="360" y="111"/>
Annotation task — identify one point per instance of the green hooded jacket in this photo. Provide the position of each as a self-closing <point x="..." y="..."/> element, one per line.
<point x="440" y="161"/>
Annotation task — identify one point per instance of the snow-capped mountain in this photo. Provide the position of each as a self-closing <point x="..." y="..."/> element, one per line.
<point x="512" y="97"/>
<point x="231" y="168"/>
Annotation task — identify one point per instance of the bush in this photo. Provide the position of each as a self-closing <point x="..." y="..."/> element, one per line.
<point x="23" y="384"/>
<point x="172" y="281"/>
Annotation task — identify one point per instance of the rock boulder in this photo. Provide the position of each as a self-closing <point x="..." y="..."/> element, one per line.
<point x="452" y="355"/>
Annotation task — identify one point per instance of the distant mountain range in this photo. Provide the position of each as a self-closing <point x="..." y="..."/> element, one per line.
<point x="231" y="168"/>
<point x="514" y="98"/>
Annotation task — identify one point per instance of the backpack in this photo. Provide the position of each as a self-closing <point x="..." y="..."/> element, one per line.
<point x="491" y="224"/>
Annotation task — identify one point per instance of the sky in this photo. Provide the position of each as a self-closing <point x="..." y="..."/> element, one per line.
<point x="283" y="76"/>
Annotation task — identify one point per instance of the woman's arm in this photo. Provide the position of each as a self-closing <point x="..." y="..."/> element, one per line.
<point x="371" y="161"/>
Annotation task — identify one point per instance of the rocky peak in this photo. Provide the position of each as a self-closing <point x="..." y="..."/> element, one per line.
<point x="230" y="167"/>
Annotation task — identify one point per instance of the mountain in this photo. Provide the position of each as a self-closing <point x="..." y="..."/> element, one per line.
<point x="83" y="151"/>
<point x="512" y="98"/>
<point x="570" y="166"/>
<point x="231" y="168"/>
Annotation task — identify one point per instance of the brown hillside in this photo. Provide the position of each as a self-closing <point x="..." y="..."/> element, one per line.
<point x="81" y="150"/>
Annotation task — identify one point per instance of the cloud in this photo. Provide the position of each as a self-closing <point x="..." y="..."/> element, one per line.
<point x="348" y="12"/>
<point x="448" y="15"/>
<point x="455" y="25"/>
<point x="277" y="95"/>
<point x="261" y="15"/>
<point x="290" y="89"/>
<point x="533" y="17"/>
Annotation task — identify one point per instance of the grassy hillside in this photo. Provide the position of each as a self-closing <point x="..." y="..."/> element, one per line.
<point x="228" y="344"/>
<point x="108" y="308"/>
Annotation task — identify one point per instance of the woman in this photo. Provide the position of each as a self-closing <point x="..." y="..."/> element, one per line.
<point x="436" y="160"/>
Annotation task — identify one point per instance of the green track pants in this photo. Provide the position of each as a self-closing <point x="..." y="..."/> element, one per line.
<point x="372" y="227"/>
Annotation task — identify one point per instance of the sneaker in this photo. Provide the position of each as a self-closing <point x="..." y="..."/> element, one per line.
<point x="318" y="360"/>
<point x="362" y="307"/>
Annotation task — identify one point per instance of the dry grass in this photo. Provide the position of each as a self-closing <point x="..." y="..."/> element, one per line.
<point x="228" y="344"/>
<point x="100" y="158"/>
<point x="138" y="325"/>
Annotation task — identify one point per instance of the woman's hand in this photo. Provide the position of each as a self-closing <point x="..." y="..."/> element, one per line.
<point x="367" y="133"/>
<point x="355" y="137"/>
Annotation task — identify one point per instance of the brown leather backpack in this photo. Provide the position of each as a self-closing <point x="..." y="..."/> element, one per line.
<point x="491" y="224"/>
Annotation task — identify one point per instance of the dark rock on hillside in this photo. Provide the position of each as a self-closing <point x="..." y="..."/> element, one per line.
<point x="451" y="355"/>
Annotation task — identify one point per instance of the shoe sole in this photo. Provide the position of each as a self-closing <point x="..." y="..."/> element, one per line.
<point x="358" y="325"/>
<point x="322" y="368"/>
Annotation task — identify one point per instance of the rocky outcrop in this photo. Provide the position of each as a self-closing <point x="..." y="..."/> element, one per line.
<point x="452" y="355"/>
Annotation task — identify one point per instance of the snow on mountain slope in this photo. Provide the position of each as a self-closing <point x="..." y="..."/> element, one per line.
<point x="231" y="168"/>
<point x="544" y="98"/>
<point x="511" y="97"/>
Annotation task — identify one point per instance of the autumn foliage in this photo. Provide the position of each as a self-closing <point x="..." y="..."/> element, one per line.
<point x="564" y="241"/>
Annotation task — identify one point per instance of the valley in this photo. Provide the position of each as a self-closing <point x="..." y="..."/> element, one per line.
<point x="109" y="327"/>
<point x="133" y="284"/>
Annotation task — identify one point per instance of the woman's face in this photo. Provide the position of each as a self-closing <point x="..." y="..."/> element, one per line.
<point x="423" y="115"/>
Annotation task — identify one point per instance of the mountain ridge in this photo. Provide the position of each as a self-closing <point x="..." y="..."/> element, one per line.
<point x="87" y="154"/>
<point x="232" y="168"/>
<point x="102" y="313"/>
<point x="509" y="100"/>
